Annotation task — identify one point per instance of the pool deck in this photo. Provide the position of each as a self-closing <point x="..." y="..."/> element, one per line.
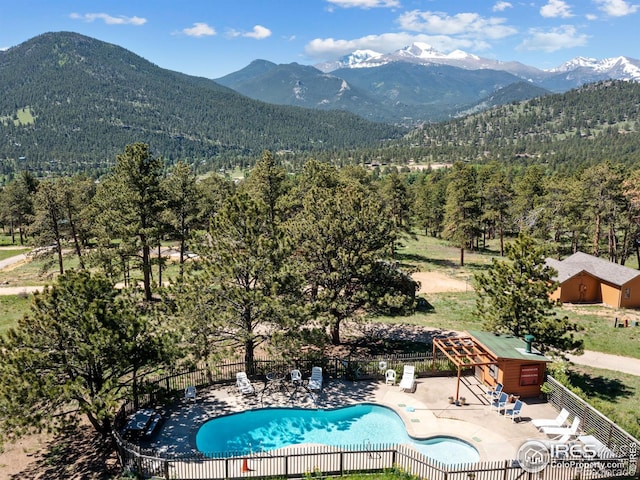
<point x="426" y="412"/>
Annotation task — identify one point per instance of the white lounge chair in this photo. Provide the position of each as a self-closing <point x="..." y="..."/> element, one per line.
<point x="550" y="444"/>
<point x="514" y="411"/>
<point x="408" y="381"/>
<point x="560" y="431"/>
<point x="595" y="445"/>
<point x="190" y="393"/>
<point x="315" y="381"/>
<point x="390" y="377"/>
<point x="552" y="422"/>
<point x="244" y="384"/>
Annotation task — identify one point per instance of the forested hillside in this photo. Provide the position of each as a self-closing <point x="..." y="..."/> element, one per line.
<point x="70" y="103"/>
<point x="578" y="128"/>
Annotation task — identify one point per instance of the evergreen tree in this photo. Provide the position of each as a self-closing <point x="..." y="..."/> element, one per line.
<point x="129" y="205"/>
<point x="341" y="233"/>
<point x="514" y="297"/>
<point x="81" y="349"/>
<point x="462" y="210"/>
<point x="49" y="217"/>
<point x="235" y="296"/>
<point x="183" y="196"/>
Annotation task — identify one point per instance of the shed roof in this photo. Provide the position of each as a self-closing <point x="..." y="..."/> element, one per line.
<point x="598" y="267"/>
<point x="507" y="346"/>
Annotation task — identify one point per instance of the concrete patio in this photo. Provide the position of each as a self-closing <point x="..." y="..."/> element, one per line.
<point x="426" y="412"/>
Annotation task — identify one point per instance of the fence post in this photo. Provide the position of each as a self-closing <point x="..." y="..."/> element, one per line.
<point x="286" y="466"/>
<point x="506" y="469"/>
<point x="139" y="463"/>
<point x="166" y="469"/>
<point x="341" y="464"/>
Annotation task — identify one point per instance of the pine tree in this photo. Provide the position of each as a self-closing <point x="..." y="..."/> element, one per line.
<point x="514" y="297"/>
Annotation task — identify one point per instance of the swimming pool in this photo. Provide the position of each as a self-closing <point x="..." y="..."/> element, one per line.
<point x="355" y="426"/>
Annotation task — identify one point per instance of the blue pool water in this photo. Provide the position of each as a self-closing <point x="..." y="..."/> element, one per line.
<point x="355" y="426"/>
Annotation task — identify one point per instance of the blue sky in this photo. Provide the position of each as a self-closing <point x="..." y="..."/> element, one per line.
<point x="212" y="38"/>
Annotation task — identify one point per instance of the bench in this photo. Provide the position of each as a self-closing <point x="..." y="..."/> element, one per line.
<point x="152" y="425"/>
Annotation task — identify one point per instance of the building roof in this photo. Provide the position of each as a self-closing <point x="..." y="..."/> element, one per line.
<point x="507" y="346"/>
<point x="598" y="267"/>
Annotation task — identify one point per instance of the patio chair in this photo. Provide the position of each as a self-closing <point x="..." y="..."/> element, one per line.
<point x="408" y="381"/>
<point x="190" y="393"/>
<point x="560" y="431"/>
<point x="552" y="422"/>
<point x="514" y="411"/>
<point x="494" y="392"/>
<point x="244" y="384"/>
<point x="315" y="381"/>
<point x="296" y="377"/>
<point x="390" y="377"/>
<point x="499" y="403"/>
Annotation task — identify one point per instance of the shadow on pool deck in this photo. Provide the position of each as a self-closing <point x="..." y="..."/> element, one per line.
<point x="426" y="412"/>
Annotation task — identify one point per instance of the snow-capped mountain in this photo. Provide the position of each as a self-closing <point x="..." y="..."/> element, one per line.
<point x="578" y="70"/>
<point x="621" y="68"/>
<point x="424" y="54"/>
<point x="417" y="83"/>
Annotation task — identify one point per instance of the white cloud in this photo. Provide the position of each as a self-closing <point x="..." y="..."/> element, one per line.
<point x="501" y="6"/>
<point x="555" y="39"/>
<point x="617" y="8"/>
<point x="199" y="29"/>
<point x="259" y="33"/>
<point x="591" y="16"/>
<point x="109" y="19"/>
<point x="365" y="3"/>
<point x="465" y="24"/>
<point x="327" y="48"/>
<point x="555" y="9"/>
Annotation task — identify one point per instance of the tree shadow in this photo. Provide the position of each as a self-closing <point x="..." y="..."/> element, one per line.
<point x="78" y="452"/>
<point x="608" y="389"/>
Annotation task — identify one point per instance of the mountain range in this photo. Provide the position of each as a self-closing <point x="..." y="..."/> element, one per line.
<point x="417" y="83"/>
<point x="70" y="103"/>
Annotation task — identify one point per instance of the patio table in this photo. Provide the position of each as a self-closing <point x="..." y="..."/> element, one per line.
<point x="276" y="381"/>
<point x="139" y="422"/>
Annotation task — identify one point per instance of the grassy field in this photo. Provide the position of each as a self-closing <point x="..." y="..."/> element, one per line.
<point x="4" y="254"/>
<point x="615" y="394"/>
<point x="12" y="308"/>
<point x="456" y="310"/>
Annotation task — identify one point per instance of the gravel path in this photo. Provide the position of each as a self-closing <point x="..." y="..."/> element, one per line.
<point x="607" y="361"/>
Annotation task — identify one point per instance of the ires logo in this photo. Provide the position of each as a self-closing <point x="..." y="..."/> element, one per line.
<point x="534" y="455"/>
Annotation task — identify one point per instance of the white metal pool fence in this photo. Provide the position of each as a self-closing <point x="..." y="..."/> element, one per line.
<point x="312" y="461"/>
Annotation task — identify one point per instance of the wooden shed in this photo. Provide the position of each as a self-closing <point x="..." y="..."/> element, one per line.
<point x="584" y="278"/>
<point x="497" y="358"/>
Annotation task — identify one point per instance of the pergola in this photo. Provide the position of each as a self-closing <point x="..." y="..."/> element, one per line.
<point x="464" y="352"/>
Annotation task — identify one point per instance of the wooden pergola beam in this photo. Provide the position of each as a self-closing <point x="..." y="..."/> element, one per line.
<point x="463" y="352"/>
